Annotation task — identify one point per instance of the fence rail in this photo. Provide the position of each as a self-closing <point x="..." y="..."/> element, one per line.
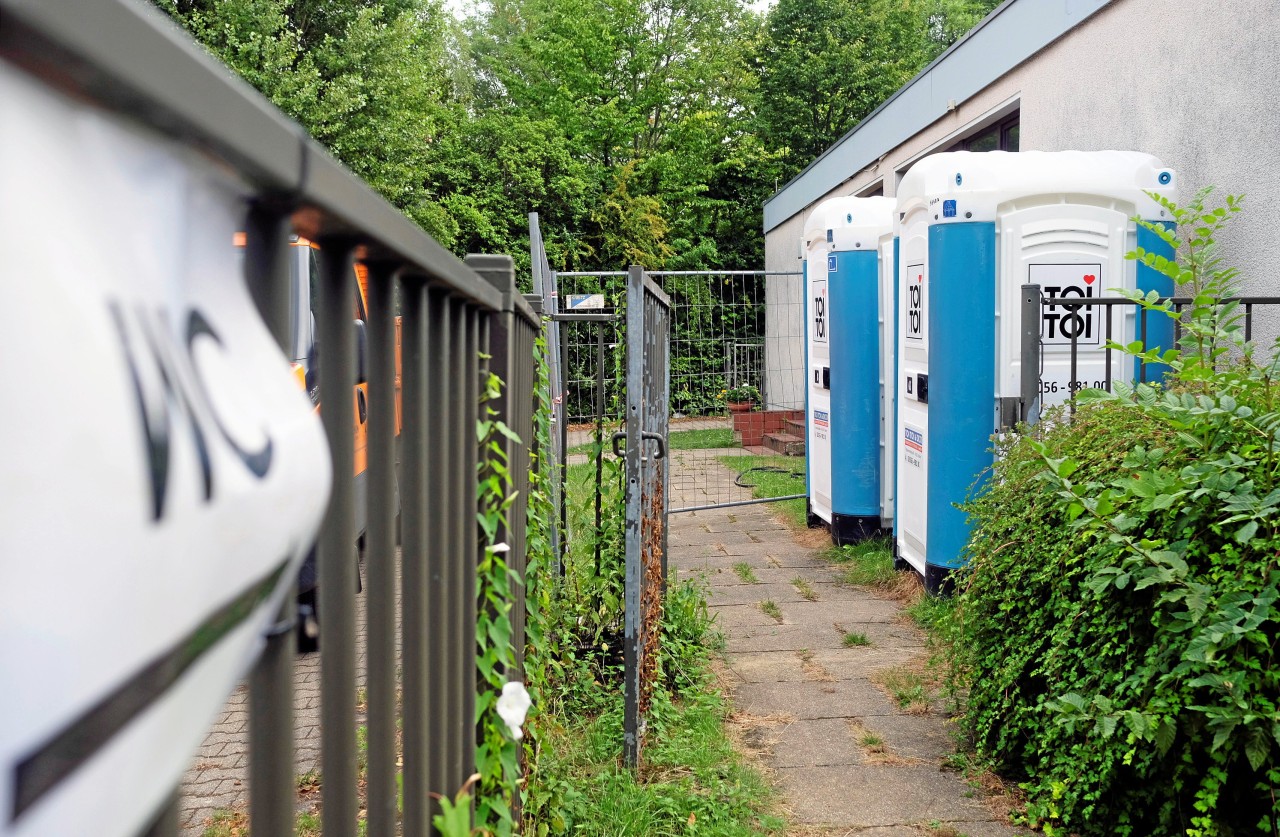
<point x="1151" y="332"/>
<point x="125" y="60"/>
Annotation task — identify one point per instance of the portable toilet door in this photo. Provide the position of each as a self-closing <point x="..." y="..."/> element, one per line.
<point x="974" y="228"/>
<point x="855" y="334"/>
<point x="888" y="282"/>
<point x="819" y="264"/>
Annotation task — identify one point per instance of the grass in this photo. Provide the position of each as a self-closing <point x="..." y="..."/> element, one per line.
<point x="866" y="564"/>
<point x="853" y="639"/>
<point x="874" y="743"/>
<point x="804" y="588"/>
<point x="744" y="572"/>
<point x="773" y="476"/>
<point x="908" y="688"/>
<point x="713" y="437"/>
<point x="771" y="610"/>
<point x="693" y="782"/>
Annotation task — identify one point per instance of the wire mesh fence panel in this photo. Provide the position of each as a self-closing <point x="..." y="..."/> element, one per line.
<point x="737" y="369"/>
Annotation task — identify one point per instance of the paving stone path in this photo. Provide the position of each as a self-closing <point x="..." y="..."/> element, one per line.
<point x="847" y="760"/>
<point x="806" y="702"/>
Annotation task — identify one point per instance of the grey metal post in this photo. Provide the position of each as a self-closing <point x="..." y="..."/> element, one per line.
<point x="599" y="498"/>
<point x="415" y="556"/>
<point x="1030" y="385"/>
<point x="271" y="784"/>
<point x="167" y="821"/>
<point x="562" y="415"/>
<point x="632" y="617"/>
<point x="440" y="512"/>
<point x="460" y="520"/>
<point x="477" y="368"/>
<point x="336" y="562"/>
<point x="380" y="596"/>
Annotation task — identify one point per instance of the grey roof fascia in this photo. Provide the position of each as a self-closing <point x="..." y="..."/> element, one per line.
<point x="1007" y="37"/>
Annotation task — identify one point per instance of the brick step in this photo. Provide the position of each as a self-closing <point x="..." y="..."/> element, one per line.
<point x="784" y="443"/>
<point x="796" y="427"/>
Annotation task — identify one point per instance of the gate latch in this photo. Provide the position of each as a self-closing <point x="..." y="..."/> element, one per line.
<point x="621" y="436"/>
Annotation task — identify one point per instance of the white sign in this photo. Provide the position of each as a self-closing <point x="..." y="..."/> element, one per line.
<point x="917" y="300"/>
<point x="164" y="472"/>
<point x="820" y="318"/>
<point x="585" y="301"/>
<point x="913" y="446"/>
<point x="1060" y="324"/>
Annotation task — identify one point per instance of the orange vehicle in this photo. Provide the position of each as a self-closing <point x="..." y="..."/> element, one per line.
<point x="304" y="272"/>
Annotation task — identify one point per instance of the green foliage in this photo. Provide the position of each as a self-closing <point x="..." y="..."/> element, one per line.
<point x="1119" y="617"/>
<point x="694" y="782"/>
<point x="497" y="753"/>
<point x="742" y="392"/>
<point x="824" y="65"/>
<point x="868" y="563"/>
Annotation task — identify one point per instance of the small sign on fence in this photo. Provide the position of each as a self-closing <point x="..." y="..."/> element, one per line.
<point x="583" y="302"/>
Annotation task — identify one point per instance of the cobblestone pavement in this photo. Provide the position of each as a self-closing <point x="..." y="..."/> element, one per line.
<point x="218" y="777"/>
<point x="845" y="757"/>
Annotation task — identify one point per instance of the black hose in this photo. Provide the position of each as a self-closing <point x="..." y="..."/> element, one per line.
<point x="771" y="469"/>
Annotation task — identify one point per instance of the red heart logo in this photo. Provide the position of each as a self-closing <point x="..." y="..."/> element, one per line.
<point x="1089" y="278"/>
<point x="919" y="279"/>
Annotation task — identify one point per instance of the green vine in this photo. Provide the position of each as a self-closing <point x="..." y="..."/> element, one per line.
<point x="497" y="753"/>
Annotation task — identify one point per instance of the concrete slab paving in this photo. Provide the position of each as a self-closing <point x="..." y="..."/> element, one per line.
<point x="870" y="795"/>
<point x="845" y="758"/>
<point x="809" y="699"/>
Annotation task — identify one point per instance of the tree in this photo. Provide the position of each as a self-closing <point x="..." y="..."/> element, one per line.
<point x="824" y="65"/>
<point x="366" y="78"/>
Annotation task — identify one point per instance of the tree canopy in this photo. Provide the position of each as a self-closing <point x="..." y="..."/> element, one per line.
<point x="642" y="131"/>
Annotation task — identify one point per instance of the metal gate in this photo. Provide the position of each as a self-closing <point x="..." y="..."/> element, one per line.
<point x="647" y="398"/>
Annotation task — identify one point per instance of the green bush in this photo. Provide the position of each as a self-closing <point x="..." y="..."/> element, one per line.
<point x="1119" y="622"/>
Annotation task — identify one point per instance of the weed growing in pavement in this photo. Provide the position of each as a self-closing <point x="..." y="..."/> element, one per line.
<point x="854" y="639"/>
<point x="771" y="610"/>
<point x="908" y="689"/>
<point x="744" y="572"/>
<point x="805" y="589"/>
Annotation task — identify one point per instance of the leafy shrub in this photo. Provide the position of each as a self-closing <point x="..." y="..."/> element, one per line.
<point x="1119" y="617"/>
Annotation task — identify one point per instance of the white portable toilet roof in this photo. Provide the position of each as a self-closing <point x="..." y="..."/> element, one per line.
<point x="979" y="181"/>
<point x="850" y="223"/>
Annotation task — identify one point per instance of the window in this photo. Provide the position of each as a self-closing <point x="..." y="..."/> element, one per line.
<point x="999" y="136"/>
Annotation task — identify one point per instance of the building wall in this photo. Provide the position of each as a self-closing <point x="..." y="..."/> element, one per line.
<point x="1192" y="83"/>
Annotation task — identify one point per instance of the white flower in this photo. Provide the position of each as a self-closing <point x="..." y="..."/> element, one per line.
<point x="499" y="547"/>
<point x="513" y="705"/>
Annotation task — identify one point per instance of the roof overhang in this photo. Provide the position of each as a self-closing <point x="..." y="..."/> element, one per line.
<point x="1007" y="37"/>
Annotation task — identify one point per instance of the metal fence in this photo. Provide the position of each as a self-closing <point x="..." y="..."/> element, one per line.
<point x="647" y="410"/>
<point x="1078" y="353"/>
<point x="459" y="322"/>
<point x="729" y="329"/>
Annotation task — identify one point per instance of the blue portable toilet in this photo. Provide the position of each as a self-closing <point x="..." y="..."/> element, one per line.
<point x="973" y="228"/>
<point x="846" y="409"/>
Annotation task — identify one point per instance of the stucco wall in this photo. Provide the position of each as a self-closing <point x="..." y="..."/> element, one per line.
<point x="1192" y="83"/>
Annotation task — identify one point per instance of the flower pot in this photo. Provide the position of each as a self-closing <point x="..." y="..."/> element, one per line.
<point x="740" y="406"/>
